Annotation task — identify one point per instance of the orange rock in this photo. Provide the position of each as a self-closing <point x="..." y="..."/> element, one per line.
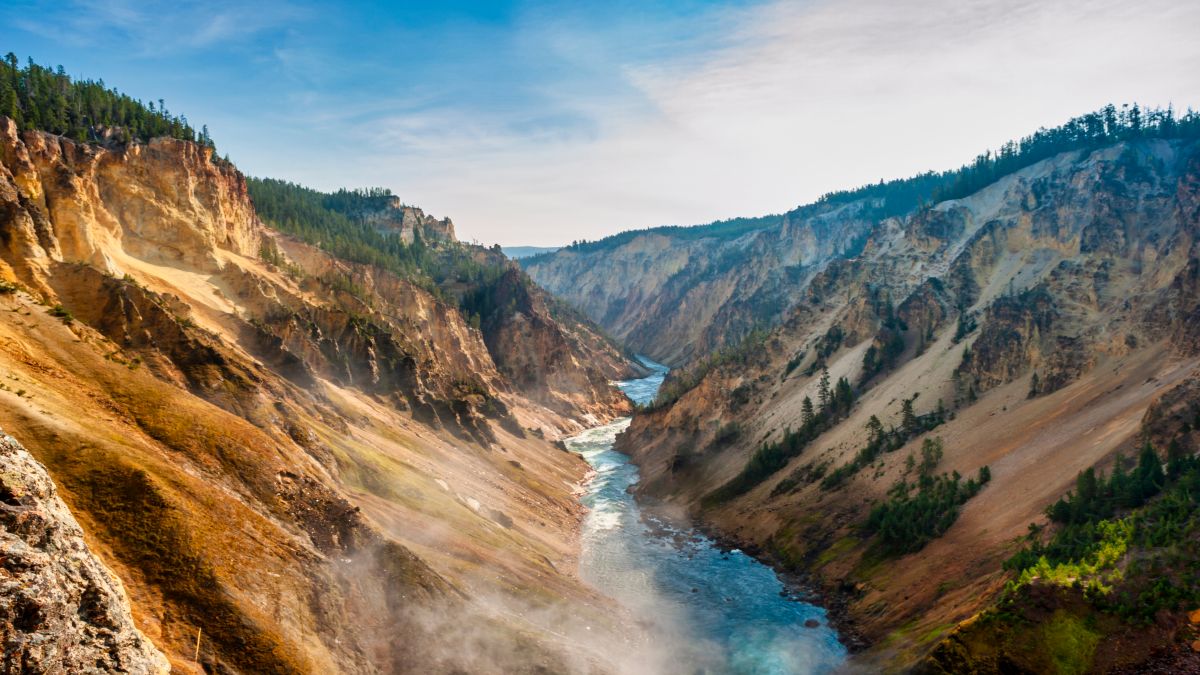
<point x="1196" y="646"/>
<point x="1194" y="616"/>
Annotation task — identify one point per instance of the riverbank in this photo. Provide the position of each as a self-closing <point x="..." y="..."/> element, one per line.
<point x="704" y="607"/>
<point x="801" y="586"/>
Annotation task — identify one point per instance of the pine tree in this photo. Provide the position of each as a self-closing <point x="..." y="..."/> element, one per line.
<point x="1149" y="472"/>
<point x="1087" y="489"/>
<point x="1119" y="486"/>
<point x="908" y="418"/>
<point x="823" y="393"/>
<point x="806" y="412"/>
<point x="1177" y="459"/>
<point x="8" y="99"/>
<point x="874" y="429"/>
<point x="843" y="396"/>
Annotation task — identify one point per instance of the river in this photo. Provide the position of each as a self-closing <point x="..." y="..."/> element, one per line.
<point x="703" y="609"/>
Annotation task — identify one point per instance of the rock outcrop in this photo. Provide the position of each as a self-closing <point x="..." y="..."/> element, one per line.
<point x="165" y="201"/>
<point x="387" y="213"/>
<point x="61" y="609"/>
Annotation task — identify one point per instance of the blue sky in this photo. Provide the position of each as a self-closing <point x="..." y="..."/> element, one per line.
<point x="543" y="122"/>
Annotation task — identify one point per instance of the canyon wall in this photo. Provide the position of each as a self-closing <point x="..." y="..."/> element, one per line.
<point x="1032" y="327"/>
<point x="302" y="465"/>
<point x="676" y="294"/>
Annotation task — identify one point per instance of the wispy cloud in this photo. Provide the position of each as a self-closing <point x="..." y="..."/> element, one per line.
<point x="800" y="98"/>
<point x="542" y="121"/>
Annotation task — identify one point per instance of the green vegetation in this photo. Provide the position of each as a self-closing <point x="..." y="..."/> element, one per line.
<point x="1131" y="541"/>
<point x="799" y="477"/>
<point x="1103" y="127"/>
<point x="793" y="363"/>
<point x="825" y="347"/>
<point x="1071" y="644"/>
<point x="60" y="312"/>
<point x="720" y="229"/>
<point x="480" y="282"/>
<point x="335" y="222"/>
<point x="834" y="403"/>
<point x="312" y="216"/>
<point x="908" y="520"/>
<point x="1095" y="498"/>
<point x="882" y="440"/>
<point x="38" y="97"/>
<point x="680" y="382"/>
<point x="965" y="326"/>
<point x="727" y="433"/>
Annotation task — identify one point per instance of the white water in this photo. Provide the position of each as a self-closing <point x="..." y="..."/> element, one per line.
<point x="704" y="609"/>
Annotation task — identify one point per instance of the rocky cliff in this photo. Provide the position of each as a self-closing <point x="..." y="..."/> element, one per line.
<point x="61" y="609"/>
<point x="389" y="214"/>
<point x="293" y="462"/>
<point x="1028" y="327"/>
<point x="675" y="294"/>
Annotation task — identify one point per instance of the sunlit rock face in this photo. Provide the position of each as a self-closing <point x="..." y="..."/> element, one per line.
<point x="308" y="465"/>
<point x="165" y="200"/>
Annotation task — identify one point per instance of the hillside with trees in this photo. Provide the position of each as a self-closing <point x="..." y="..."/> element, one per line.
<point x="46" y="99"/>
<point x="678" y="294"/>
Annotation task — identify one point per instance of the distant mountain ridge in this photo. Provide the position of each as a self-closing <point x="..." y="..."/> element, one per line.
<point x="518" y="252"/>
<point x="681" y="293"/>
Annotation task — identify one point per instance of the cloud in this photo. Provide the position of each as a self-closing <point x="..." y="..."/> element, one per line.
<point x="544" y="122"/>
<point x="801" y="98"/>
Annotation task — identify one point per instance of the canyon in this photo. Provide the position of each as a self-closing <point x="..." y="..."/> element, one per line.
<point x="252" y="427"/>
<point x="1024" y="332"/>
<point x="275" y="459"/>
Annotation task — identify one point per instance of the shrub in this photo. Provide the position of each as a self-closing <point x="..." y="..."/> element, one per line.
<point x="60" y="312"/>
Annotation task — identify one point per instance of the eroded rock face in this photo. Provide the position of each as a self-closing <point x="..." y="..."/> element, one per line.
<point x="388" y="213"/>
<point x="61" y="609"/>
<point x="316" y="462"/>
<point x="81" y="219"/>
<point x="165" y="200"/>
<point x="1046" y="314"/>
<point x="561" y="366"/>
<point x="678" y="297"/>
